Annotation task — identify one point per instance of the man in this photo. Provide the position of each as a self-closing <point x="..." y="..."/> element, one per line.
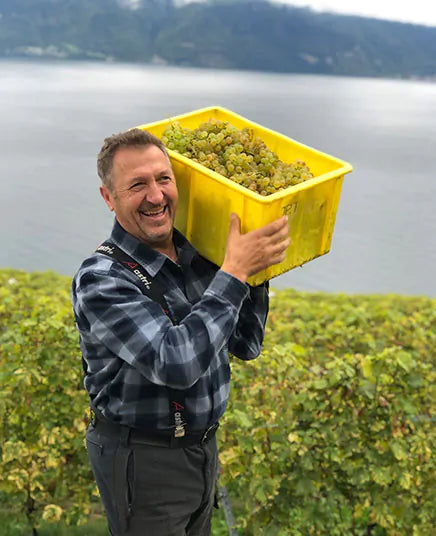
<point x="157" y="364"/>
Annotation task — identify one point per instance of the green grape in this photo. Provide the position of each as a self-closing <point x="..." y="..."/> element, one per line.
<point x="236" y="154"/>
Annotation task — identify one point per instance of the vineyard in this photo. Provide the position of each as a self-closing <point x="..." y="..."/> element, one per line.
<point x="330" y="432"/>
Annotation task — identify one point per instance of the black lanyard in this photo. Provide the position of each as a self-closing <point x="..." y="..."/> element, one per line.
<point x="151" y="289"/>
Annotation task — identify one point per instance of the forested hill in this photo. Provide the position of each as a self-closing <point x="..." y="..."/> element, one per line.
<point x="233" y="34"/>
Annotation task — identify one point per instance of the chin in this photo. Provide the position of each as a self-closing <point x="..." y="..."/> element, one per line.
<point x="158" y="237"/>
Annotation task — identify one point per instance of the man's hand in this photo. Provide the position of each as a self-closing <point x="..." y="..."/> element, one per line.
<point x="247" y="254"/>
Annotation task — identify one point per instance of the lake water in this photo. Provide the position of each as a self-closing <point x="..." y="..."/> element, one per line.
<point x="54" y="117"/>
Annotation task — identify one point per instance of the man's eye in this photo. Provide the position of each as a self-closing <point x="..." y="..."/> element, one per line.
<point x="137" y="186"/>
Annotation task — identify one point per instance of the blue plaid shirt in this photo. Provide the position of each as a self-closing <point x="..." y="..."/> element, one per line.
<point x="132" y="351"/>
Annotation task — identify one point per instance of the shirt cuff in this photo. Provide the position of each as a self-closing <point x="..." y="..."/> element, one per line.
<point x="229" y="287"/>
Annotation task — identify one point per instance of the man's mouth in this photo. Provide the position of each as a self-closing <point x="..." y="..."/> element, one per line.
<point x="155" y="213"/>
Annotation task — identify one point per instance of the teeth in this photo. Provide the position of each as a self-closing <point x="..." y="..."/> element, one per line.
<point x="154" y="213"/>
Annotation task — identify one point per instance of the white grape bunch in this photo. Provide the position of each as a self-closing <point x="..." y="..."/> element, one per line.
<point x="236" y="154"/>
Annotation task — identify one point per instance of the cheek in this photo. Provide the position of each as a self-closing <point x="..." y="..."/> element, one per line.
<point x="174" y="195"/>
<point x="133" y="201"/>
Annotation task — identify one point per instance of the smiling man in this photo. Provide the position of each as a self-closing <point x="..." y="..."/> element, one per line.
<point x="156" y="324"/>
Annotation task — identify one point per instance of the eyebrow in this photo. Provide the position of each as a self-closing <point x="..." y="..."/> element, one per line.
<point x="166" y="172"/>
<point x="163" y="173"/>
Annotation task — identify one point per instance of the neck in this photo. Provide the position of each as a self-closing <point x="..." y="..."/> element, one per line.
<point x="169" y="251"/>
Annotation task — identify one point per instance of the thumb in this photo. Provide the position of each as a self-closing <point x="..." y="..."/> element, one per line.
<point x="235" y="224"/>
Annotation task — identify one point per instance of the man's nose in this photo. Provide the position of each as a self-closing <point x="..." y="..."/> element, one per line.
<point x="154" y="193"/>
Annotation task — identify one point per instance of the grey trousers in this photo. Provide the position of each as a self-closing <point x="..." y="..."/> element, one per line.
<point x="148" y="490"/>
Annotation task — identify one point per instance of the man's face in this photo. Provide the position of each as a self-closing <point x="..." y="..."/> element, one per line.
<point x="143" y="194"/>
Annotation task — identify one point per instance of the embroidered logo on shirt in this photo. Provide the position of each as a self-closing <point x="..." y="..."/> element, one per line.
<point x="179" y="430"/>
<point x="132" y="265"/>
<point x="106" y="249"/>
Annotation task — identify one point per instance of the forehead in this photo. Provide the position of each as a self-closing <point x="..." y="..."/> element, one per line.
<point x="140" y="160"/>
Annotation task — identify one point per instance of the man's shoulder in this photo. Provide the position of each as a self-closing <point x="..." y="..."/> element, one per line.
<point x="97" y="264"/>
<point x="96" y="261"/>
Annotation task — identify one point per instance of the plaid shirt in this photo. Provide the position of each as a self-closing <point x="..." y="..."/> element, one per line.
<point x="131" y="350"/>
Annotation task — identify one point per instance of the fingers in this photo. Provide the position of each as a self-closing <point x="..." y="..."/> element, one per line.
<point x="270" y="229"/>
<point x="277" y="250"/>
<point x="275" y="232"/>
<point x="249" y="253"/>
<point x="278" y="240"/>
<point x="280" y="236"/>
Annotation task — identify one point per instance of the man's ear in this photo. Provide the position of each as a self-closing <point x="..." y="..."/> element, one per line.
<point x="107" y="196"/>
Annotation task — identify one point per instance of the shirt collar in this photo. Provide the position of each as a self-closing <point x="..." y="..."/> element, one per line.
<point x="148" y="257"/>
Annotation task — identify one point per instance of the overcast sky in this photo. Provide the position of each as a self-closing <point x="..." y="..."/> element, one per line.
<point x="415" y="11"/>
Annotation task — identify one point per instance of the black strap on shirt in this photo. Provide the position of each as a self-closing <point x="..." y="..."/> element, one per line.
<point x="148" y="284"/>
<point x="154" y="291"/>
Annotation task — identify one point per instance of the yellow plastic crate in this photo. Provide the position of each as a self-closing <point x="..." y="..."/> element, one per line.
<point x="206" y="198"/>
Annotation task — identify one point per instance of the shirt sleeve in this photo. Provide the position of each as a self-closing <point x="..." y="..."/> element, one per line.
<point x="246" y="341"/>
<point x="112" y="311"/>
